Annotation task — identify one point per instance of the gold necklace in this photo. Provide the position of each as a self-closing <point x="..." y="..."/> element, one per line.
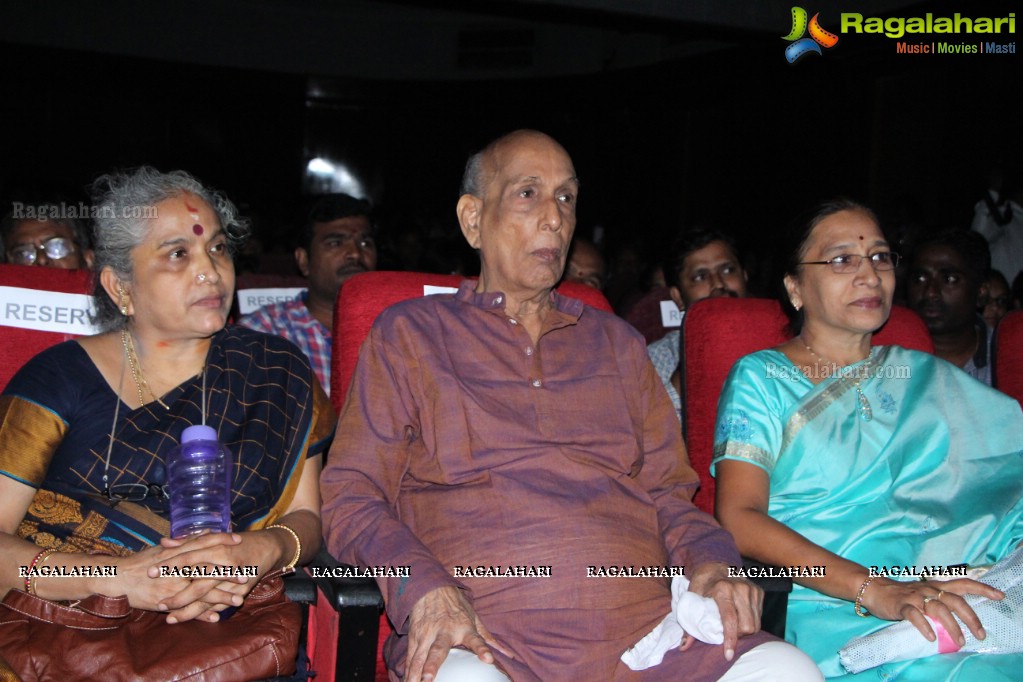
<point x="136" y="370"/>
<point x="866" y="412"/>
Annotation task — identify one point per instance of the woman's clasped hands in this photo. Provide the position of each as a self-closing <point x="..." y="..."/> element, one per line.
<point x="162" y="577"/>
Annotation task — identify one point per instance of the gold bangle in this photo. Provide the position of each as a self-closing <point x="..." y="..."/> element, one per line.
<point x="298" y="544"/>
<point x="858" y="606"/>
<point x="39" y="560"/>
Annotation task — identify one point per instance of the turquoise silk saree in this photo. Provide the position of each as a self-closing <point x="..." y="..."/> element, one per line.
<point x="899" y="461"/>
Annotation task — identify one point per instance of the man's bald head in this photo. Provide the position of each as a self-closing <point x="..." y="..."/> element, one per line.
<point x="518" y="210"/>
<point x="483" y="165"/>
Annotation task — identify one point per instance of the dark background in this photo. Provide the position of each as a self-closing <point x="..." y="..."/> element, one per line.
<point x="670" y="121"/>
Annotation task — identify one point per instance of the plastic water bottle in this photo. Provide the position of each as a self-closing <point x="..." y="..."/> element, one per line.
<point x="199" y="477"/>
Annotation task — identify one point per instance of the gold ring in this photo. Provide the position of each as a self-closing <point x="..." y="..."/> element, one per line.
<point x="927" y="599"/>
<point x="940" y="592"/>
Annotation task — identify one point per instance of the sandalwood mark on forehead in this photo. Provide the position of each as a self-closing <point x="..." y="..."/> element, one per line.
<point x="197" y="229"/>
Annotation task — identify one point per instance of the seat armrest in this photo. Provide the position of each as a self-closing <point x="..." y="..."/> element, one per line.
<point x="341" y="591"/>
<point x="358" y="602"/>
<point x="766" y="583"/>
<point x="299" y="587"/>
<point x="776" y="598"/>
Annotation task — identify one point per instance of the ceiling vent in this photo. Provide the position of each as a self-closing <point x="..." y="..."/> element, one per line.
<point x="495" y="49"/>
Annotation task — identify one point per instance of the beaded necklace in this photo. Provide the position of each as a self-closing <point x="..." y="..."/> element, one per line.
<point x="866" y="412"/>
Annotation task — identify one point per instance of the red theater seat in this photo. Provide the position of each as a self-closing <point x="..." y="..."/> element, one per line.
<point x="20" y="344"/>
<point x="1009" y="355"/>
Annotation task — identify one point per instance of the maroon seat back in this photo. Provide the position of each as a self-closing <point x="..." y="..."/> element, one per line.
<point x="1008" y="366"/>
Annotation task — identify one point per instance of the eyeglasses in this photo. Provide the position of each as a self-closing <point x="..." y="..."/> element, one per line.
<point x="135" y="492"/>
<point x="1000" y="301"/>
<point x="849" y="263"/>
<point x="54" y="247"/>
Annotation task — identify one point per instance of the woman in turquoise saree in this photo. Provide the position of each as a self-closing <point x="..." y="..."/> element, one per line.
<point x="870" y="462"/>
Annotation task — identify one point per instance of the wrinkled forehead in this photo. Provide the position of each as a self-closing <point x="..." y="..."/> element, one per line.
<point x="529" y="156"/>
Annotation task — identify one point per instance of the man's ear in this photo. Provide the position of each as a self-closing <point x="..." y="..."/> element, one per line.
<point x="302" y="261"/>
<point x="983" y="292"/>
<point x="676" y="295"/>
<point x="469" y="210"/>
<point x="118" y="291"/>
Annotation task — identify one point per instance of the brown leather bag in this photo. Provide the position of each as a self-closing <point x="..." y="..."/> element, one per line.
<point x="103" y="638"/>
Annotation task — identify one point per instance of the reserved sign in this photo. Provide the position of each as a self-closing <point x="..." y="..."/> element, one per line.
<point x="250" y="300"/>
<point x="671" y="316"/>
<point x="431" y="290"/>
<point x="48" y="311"/>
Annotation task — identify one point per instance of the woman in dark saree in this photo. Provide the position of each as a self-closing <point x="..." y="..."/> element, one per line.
<point x="85" y="426"/>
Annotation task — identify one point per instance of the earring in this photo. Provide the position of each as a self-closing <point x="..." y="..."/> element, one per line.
<point x="797" y="306"/>
<point x="120" y="300"/>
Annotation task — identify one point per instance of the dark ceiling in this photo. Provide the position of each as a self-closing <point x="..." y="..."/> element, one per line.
<point x="413" y="39"/>
<point x="675" y="112"/>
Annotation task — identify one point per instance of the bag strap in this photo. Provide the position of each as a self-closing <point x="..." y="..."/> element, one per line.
<point x="105" y="607"/>
<point x="270" y="587"/>
<point x="97" y="612"/>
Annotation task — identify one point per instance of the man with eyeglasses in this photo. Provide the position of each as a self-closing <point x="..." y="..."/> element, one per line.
<point x="946" y="281"/>
<point x="701" y="263"/>
<point x="48" y="243"/>
<point x="998" y="301"/>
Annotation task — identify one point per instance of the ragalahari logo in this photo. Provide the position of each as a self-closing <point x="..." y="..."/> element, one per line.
<point x="802" y="46"/>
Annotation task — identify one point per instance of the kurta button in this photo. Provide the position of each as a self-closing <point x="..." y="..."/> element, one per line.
<point x="537" y="383"/>
<point x="512" y="321"/>
<point x="529" y="350"/>
<point x="498" y="300"/>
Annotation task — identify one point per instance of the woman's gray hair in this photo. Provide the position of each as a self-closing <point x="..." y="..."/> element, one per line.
<point x="124" y="204"/>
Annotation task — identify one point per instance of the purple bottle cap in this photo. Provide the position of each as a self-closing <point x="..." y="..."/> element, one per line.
<point x="198" y="433"/>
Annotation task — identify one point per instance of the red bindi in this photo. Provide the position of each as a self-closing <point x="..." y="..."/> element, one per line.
<point x="197" y="229"/>
<point x="190" y="209"/>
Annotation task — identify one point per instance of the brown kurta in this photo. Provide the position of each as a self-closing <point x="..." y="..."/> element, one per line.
<point x="462" y="445"/>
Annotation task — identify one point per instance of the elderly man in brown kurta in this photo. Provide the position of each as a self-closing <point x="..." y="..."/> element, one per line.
<point x="513" y="448"/>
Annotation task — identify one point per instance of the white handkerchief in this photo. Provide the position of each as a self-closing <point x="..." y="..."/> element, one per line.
<point x="699" y="616"/>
